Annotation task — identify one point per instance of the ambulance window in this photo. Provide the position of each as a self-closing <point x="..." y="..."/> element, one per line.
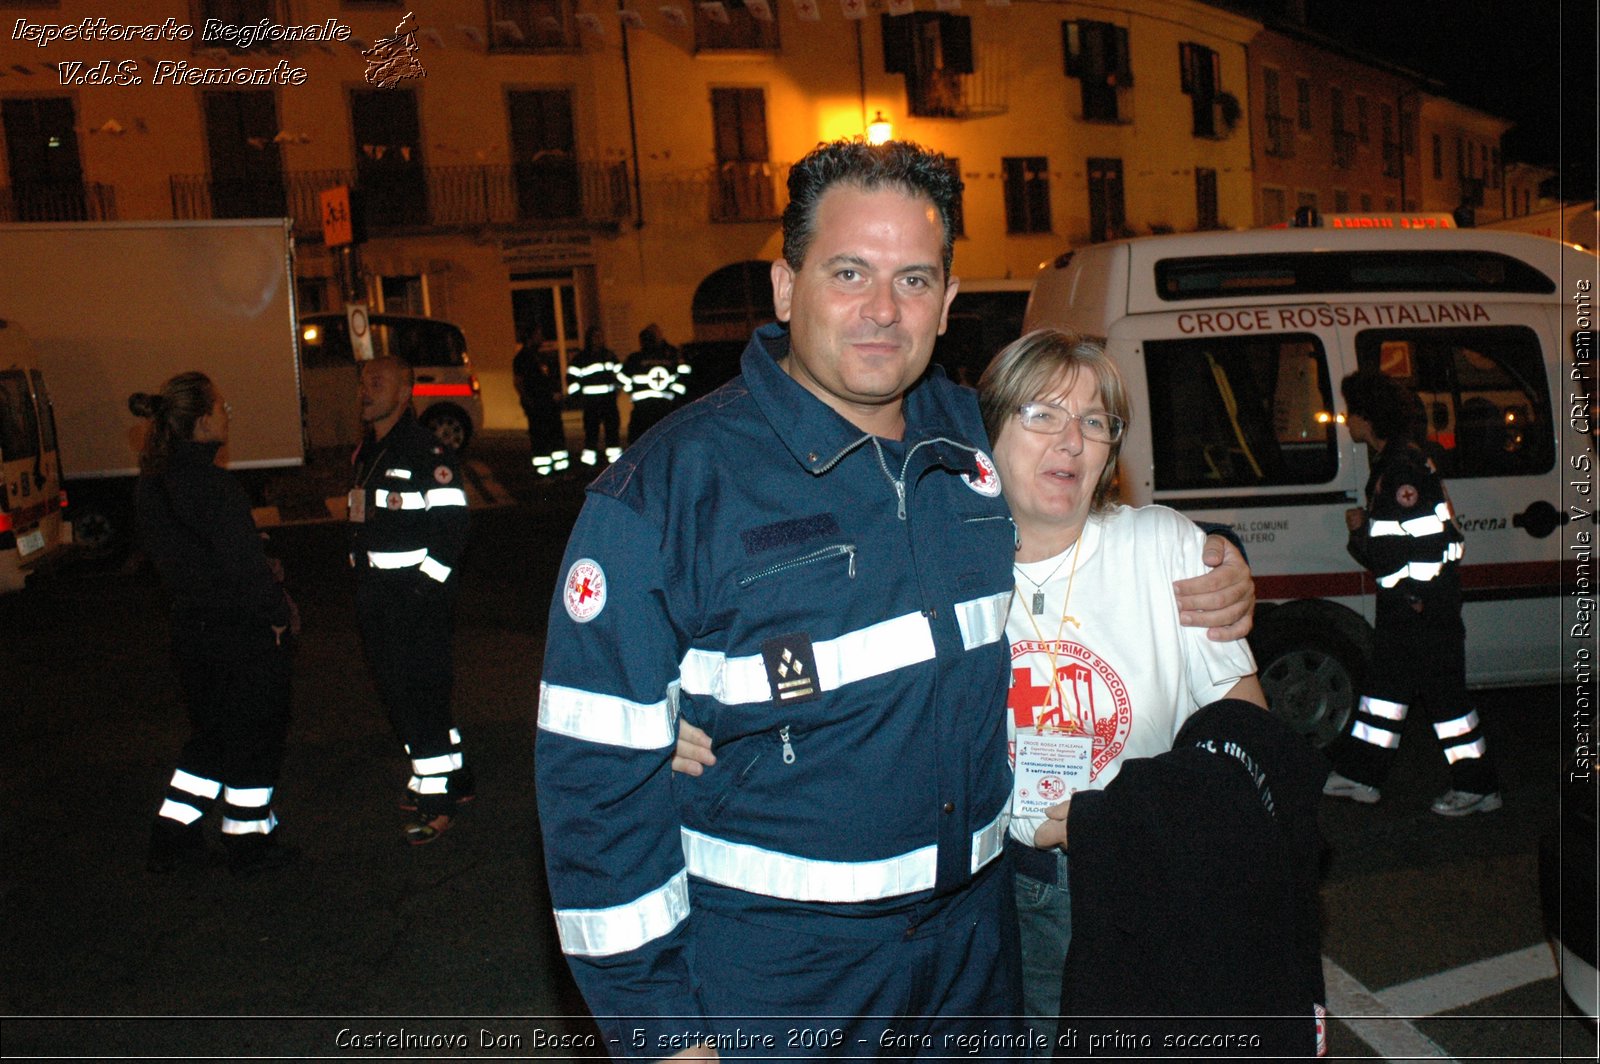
<point x="19" y="431"/>
<point x="1240" y="411"/>
<point x="1485" y="405"/>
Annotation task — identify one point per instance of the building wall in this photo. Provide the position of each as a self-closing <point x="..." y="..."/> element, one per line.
<point x="1478" y="172"/>
<point x="647" y="266"/>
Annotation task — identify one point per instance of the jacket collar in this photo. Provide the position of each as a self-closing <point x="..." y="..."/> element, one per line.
<point x="819" y="438"/>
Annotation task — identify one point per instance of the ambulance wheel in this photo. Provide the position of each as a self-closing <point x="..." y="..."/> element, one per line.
<point x="1313" y="677"/>
<point x="451" y="426"/>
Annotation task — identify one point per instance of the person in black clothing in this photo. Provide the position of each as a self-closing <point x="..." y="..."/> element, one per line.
<point x="1407" y="537"/>
<point x="539" y="390"/>
<point x="655" y="378"/>
<point x="231" y="627"/>
<point x="408" y="523"/>
<point x="595" y="376"/>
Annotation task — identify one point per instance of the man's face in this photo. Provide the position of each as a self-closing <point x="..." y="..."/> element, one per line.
<point x="869" y="301"/>
<point x="383" y="392"/>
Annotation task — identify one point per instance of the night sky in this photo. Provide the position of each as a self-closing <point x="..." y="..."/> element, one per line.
<point x="1531" y="61"/>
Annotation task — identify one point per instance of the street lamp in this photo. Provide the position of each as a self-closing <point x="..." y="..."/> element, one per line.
<point x="879" y="130"/>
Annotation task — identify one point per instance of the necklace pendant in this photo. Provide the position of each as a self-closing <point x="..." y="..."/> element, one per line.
<point x="1038" y="603"/>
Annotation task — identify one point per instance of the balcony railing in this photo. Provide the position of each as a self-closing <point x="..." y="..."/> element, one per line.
<point x="533" y="194"/>
<point x="743" y="192"/>
<point x="91" y="202"/>
<point x="1280" y="136"/>
<point x="1344" y="149"/>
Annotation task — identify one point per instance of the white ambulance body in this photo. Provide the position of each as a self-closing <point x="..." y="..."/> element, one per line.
<point x="1233" y="346"/>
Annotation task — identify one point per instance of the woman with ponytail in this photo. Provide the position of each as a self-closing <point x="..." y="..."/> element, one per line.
<point x="230" y="619"/>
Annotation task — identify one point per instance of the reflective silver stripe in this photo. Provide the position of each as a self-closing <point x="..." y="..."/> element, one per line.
<point x="613" y="453"/>
<point x="596" y="389"/>
<point x="435" y="766"/>
<point x="429" y="785"/>
<point x="591" y="369"/>
<point x="434" y="569"/>
<point x="1384" y="528"/>
<point x="982" y="620"/>
<point x="1426" y="525"/>
<point x="605" y="932"/>
<point x="650" y="393"/>
<point x="396" y="559"/>
<point x="784" y="875"/>
<point x="179" y="811"/>
<point x="195" y="785"/>
<point x="398" y="474"/>
<point x="446" y="497"/>
<point x="455" y="737"/>
<point x="1377" y="707"/>
<point x="1455" y="729"/>
<point x="860" y="655"/>
<point x="249" y="827"/>
<point x="409" y="500"/>
<point x="1421" y="572"/>
<point x="1476" y="748"/>
<point x="572" y="389"/>
<point x="247" y="797"/>
<point x="599" y="718"/>
<point x="1368" y="733"/>
<point x="988" y="840"/>
<point x="1455" y="551"/>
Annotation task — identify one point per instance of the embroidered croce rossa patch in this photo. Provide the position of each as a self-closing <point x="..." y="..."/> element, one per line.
<point x="791" y="668"/>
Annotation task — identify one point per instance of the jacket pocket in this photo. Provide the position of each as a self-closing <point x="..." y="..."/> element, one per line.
<point x="832" y="554"/>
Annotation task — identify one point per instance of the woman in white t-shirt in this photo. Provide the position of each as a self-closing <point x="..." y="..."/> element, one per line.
<point x="1101" y="669"/>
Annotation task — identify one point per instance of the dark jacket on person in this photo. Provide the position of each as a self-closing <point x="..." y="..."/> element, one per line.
<point x="194" y="522"/>
<point x="1194" y="896"/>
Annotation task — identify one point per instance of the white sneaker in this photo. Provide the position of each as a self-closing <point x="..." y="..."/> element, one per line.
<point x="1339" y="787"/>
<point x="1460" y="803"/>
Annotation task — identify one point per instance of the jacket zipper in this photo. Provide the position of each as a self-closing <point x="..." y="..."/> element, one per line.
<point x="847" y="549"/>
<point x="788" y="750"/>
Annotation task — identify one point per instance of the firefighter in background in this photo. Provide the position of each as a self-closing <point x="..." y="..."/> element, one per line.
<point x="654" y="378"/>
<point x="595" y="376"/>
<point x="408" y="523"/>
<point x="539" y="390"/>
<point x="1408" y="538"/>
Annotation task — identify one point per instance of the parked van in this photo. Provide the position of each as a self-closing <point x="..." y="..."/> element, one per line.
<point x="1233" y="346"/>
<point x="32" y="526"/>
<point x="446" y="397"/>
<point x="985" y="316"/>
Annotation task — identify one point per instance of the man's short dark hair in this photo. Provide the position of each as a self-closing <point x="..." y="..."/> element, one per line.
<point x="1388" y="405"/>
<point x="898" y="164"/>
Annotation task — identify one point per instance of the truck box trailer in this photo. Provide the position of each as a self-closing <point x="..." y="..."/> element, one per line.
<point x="118" y="307"/>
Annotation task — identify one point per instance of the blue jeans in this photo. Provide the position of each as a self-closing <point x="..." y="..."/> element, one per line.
<point x="1044" y="916"/>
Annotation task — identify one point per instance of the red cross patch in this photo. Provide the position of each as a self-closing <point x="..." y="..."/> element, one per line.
<point x="1406" y="495"/>
<point x="443" y="474"/>
<point x="584" y="594"/>
<point x="394" y="501"/>
<point x="987" y="480"/>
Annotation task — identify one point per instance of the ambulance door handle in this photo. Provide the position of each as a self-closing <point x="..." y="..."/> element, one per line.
<point x="1540" y="519"/>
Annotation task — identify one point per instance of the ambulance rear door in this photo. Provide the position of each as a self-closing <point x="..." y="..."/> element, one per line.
<point x="1238" y="428"/>
<point x="1482" y="370"/>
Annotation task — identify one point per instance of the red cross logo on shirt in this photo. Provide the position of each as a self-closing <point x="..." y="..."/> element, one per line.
<point x="584" y="593"/>
<point x="1025" y="696"/>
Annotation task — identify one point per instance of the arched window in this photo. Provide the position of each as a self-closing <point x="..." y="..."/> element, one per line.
<point x="733" y="301"/>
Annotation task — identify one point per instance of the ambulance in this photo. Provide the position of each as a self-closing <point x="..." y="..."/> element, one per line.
<point x="1233" y="346"/>
<point x="33" y="528"/>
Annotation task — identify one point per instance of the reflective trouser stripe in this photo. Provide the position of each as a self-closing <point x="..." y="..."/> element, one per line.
<point x="262" y="826"/>
<point x="783" y="875"/>
<point x="598" y="389"/>
<point x="248" y="797"/>
<point x="620" y="928"/>
<point x="429" y="784"/>
<point x="1380" y="735"/>
<point x="1461" y="751"/>
<point x="434" y="569"/>
<point x="1450" y="732"/>
<point x="396" y="559"/>
<point x="434" y="766"/>
<point x="446" y="497"/>
<point x="613" y="453"/>
<point x="179" y="811"/>
<point x="588" y="457"/>
<point x="195" y="785"/>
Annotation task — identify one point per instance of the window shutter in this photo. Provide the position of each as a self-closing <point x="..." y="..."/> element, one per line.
<point x="1186" y="66"/>
<point x="897" y="54"/>
<point x="1122" y="61"/>
<point x="1072" y="49"/>
<point x="955" y="37"/>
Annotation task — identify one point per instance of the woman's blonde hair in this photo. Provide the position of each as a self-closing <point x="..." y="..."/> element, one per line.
<point x="1046" y="362"/>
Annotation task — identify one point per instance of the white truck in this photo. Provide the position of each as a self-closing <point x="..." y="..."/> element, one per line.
<point x="115" y="308"/>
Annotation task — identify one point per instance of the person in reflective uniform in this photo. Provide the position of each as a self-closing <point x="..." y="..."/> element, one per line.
<point x="655" y="379"/>
<point x="539" y="392"/>
<point x="408" y="521"/>
<point x="594" y="376"/>
<point x="1407" y="536"/>
<point x="231" y="628"/>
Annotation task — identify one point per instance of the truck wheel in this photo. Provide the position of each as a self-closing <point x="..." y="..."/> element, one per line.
<point x="1313" y="677"/>
<point x="450" y="426"/>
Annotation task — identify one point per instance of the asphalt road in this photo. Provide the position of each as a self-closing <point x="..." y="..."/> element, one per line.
<point x="1432" y="939"/>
